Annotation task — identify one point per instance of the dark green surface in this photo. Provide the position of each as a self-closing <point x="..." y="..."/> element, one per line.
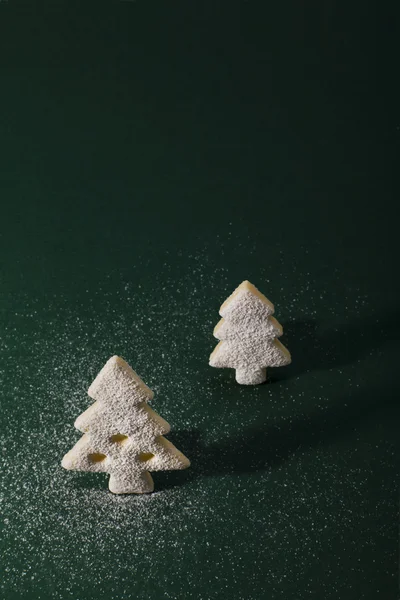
<point x="153" y="155"/>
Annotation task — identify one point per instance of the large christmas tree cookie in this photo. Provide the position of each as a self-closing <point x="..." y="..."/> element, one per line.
<point x="123" y="436"/>
<point x="248" y="334"/>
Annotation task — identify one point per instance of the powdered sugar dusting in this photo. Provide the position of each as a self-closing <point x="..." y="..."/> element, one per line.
<point x="279" y="472"/>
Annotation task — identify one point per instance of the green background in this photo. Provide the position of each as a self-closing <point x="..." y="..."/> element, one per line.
<point x="152" y="156"/>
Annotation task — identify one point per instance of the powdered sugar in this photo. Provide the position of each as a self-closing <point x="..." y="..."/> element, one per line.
<point x="276" y="479"/>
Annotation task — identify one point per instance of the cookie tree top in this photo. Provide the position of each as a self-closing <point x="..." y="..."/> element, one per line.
<point x="123" y="436"/>
<point x="248" y="334"/>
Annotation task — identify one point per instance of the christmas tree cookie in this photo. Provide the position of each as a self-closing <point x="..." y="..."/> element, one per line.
<point x="122" y="435"/>
<point x="248" y="334"/>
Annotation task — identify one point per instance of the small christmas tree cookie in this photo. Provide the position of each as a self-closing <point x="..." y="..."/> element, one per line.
<point x="123" y="436"/>
<point x="248" y="334"/>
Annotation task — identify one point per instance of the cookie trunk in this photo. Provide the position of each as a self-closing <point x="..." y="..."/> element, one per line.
<point x="139" y="484"/>
<point x="249" y="377"/>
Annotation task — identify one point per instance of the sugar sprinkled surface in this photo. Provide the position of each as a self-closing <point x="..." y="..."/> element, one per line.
<point x="294" y="447"/>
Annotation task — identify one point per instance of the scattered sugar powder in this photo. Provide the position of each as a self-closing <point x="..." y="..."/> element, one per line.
<point x="254" y="511"/>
